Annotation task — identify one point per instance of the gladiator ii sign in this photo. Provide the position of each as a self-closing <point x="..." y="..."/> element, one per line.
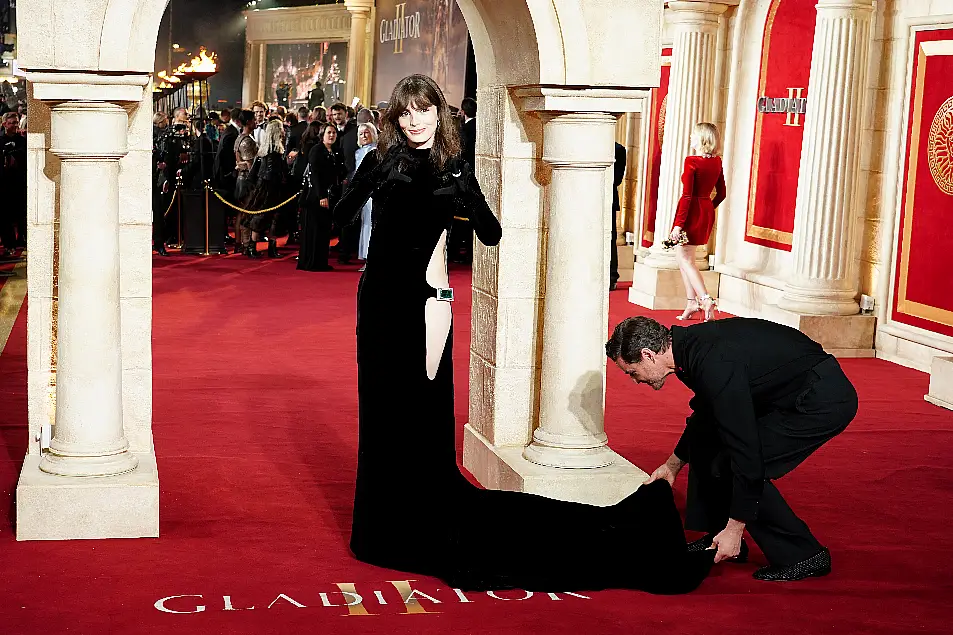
<point x="420" y="36"/>
<point x="794" y="106"/>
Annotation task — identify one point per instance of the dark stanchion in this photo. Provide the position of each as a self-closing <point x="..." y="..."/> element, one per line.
<point x="204" y="219"/>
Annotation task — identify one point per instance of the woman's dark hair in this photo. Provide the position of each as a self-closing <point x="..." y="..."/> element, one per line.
<point x="422" y="92"/>
<point x="324" y="128"/>
<point x="311" y="136"/>
<point x="635" y="333"/>
<point x="246" y="117"/>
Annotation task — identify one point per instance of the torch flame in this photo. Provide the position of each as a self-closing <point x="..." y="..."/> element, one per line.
<point x="166" y="78"/>
<point x="204" y="62"/>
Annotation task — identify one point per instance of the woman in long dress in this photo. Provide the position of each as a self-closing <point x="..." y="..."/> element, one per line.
<point x="326" y="171"/>
<point x="367" y="140"/>
<point x="413" y="509"/>
<point x="696" y="215"/>
<point x="268" y="189"/>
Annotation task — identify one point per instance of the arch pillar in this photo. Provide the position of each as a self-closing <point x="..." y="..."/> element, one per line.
<point x="540" y="327"/>
<point x="90" y="471"/>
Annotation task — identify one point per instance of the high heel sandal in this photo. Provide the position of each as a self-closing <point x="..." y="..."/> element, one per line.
<point x="691" y="309"/>
<point x="709" y="306"/>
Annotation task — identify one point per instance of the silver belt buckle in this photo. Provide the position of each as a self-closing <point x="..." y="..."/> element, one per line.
<point x="445" y="295"/>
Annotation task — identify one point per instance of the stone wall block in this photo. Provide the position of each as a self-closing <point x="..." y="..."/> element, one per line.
<point x="484" y="326"/>
<point x="482" y="393"/>
<point x="137" y="408"/>
<point x="136" y="332"/>
<point x="135" y="177"/>
<point x="523" y="194"/>
<point x="518" y="332"/>
<point x="515" y="406"/>
<point x="135" y="249"/>
<point x="522" y="266"/>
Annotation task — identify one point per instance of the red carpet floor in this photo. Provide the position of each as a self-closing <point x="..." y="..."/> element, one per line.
<point x="256" y="433"/>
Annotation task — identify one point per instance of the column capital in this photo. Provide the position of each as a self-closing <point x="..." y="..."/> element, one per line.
<point x="579" y="140"/>
<point x="71" y="121"/>
<point x="851" y="6"/>
<point x="359" y="6"/>
<point x="55" y="87"/>
<point x="559" y="99"/>
<point x="701" y="15"/>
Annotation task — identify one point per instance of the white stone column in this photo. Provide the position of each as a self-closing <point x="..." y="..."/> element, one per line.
<point x="690" y="101"/>
<point x="824" y="278"/>
<point x="575" y="314"/>
<point x="88" y="438"/>
<point x="357" y="49"/>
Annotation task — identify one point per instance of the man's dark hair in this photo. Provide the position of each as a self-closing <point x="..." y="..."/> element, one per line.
<point x="469" y="107"/>
<point x="633" y="334"/>
<point x="338" y="106"/>
<point x="303" y="113"/>
<point x="350" y="113"/>
<point x="291" y="119"/>
<point x="236" y="113"/>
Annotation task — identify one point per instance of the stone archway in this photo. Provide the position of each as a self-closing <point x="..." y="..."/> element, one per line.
<point x="550" y="76"/>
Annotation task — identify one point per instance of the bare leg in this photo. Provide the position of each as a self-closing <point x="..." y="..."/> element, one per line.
<point x="438" y="315"/>
<point x="685" y="255"/>
<point x="691" y="305"/>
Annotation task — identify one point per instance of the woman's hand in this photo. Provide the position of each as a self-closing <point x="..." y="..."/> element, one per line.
<point x="676" y="233"/>
<point x="324" y="202"/>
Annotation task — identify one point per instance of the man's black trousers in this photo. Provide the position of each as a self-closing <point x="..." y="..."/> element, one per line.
<point x="815" y="413"/>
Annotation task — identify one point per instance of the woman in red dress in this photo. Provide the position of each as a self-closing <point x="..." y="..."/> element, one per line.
<point x="703" y="173"/>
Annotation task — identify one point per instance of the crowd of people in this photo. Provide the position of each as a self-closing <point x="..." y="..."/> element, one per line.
<point x="13" y="184"/>
<point x="282" y="172"/>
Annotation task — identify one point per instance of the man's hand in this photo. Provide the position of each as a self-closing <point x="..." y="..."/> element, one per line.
<point x="324" y="202"/>
<point x="728" y="542"/>
<point x="668" y="471"/>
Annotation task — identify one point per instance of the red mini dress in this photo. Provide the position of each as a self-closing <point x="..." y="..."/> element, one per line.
<point x="696" y="209"/>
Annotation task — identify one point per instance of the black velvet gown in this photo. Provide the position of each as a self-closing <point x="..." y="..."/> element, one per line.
<point x="413" y="509"/>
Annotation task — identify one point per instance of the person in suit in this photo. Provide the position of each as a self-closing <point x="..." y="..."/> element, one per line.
<point x="766" y="397"/>
<point x="315" y="97"/>
<point x="347" y="146"/>
<point x="695" y="215"/>
<point x="617" y="178"/>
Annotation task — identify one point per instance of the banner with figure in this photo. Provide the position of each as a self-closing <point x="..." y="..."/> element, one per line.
<point x="294" y="69"/>
<point x="420" y="36"/>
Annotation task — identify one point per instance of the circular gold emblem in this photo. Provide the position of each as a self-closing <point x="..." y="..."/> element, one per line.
<point x="661" y="120"/>
<point x="940" y="147"/>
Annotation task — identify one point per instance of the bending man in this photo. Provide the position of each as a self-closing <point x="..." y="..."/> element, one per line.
<point x="766" y="397"/>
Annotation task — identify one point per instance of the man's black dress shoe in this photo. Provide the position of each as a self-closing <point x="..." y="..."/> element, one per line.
<point x="815" y="566"/>
<point x="705" y="542"/>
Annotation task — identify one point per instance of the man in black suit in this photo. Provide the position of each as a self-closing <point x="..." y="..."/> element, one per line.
<point x="766" y="397"/>
<point x="223" y="170"/>
<point x="618" y="176"/>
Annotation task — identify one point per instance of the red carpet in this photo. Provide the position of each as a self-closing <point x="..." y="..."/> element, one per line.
<point x="256" y="433"/>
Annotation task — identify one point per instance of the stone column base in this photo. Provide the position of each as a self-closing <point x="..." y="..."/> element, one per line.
<point x="662" y="289"/>
<point x="626" y="262"/>
<point x="941" y="383"/>
<point x="66" y="508"/>
<point x="505" y="469"/>
<point x="840" y="335"/>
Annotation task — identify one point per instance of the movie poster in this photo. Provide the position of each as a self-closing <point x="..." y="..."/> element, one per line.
<point x="294" y="69"/>
<point x="420" y="36"/>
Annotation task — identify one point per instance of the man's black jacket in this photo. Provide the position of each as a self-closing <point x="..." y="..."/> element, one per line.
<point x="740" y="370"/>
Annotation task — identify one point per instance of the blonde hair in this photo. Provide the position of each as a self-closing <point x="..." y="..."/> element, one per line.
<point x="273" y="139"/>
<point x="706" y="135"/>
<point x="159" y="117"/>
<point x="368" y="126"/>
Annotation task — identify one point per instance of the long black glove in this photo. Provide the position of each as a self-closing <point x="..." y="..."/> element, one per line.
<point x="485" y="224"/>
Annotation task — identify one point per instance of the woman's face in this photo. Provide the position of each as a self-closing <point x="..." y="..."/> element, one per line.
<point x="365" y="137"/>
<point x="419" y="126"/>
<point x="330" y="136"/>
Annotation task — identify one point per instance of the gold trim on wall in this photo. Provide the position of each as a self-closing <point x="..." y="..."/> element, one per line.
<point x="905" y="306"/>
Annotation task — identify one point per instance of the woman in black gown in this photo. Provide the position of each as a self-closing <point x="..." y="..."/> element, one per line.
<point x="326" y="171"/>
<point x="413" y="509"/>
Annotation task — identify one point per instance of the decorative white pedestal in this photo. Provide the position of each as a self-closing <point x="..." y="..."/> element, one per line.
<point x="941" y="383"/>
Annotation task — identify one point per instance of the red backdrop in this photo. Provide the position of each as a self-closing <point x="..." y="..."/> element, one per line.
<point x="924" y="286"/>
<point x="785" y="65"/>
<point x="656" y="137"/>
